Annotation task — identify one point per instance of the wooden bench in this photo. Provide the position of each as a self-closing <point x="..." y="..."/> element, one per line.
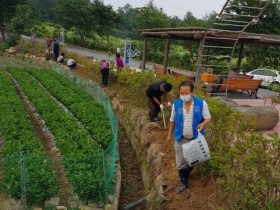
<point x="208" y="78"/>
<point x="241" y="84"/>
<point x="159" y="70"/>
<point x="186" y="77"/>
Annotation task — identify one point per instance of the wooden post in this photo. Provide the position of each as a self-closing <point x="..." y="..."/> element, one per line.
<point x="240" y="57"/>
<point x="166" y="54"/>
<point x="207" y="53"/>
<point x="143" y="67"/>
<point x="199" y="62"/>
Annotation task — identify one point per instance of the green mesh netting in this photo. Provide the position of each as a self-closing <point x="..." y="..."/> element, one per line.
<point x="110" y="155"/>
<point x="100" y="165"/>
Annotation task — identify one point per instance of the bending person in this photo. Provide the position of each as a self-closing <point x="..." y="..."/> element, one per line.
<point x="154" y="93"/>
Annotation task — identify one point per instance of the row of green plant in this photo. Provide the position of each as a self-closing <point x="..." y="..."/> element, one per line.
<point x="90" y="113"/>
<point x="82" y="156"/>
<point x="18" y="135"/>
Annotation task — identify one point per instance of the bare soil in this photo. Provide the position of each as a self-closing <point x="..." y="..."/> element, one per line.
<point x="132" y="187"/>
<point x="202" y="193"/>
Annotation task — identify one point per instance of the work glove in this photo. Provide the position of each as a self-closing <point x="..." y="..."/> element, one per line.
<point x="169" y="104"/>
<point x="161" y="106"/>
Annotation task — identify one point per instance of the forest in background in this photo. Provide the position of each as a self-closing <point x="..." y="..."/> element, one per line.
<point x="95" y="25"/>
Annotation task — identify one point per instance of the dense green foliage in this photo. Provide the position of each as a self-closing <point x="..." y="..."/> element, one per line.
<point x="87" y="110"/>
<point x="82" y="155"/>
<point x="96" y="25"/>
<point x="245" y="163"/>
<point x="18" y="134"/>
<point x="43" y="10"/>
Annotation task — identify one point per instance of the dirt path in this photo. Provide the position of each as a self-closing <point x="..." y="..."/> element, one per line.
<point x="132" y="187"/>
<point x="202" y="194"/>
<point x="47" y="140"/>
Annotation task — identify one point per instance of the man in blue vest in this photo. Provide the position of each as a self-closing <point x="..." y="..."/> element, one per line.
<point x="154" y="93"/>
<point x="189" y="115"/>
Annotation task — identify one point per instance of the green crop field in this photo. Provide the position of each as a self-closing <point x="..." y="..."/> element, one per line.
<point x="82" y="131"/>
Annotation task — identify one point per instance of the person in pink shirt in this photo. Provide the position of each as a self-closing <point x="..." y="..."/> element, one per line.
<point x="105" y="67"/>
<point x="119" y="61"/>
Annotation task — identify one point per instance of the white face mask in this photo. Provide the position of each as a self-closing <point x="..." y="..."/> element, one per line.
<point x="185" y="98"/>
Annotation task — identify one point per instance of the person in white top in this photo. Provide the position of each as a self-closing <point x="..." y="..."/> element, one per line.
<point x="189" y="116"/>
<point x="60" y="58"/>
<point x="71" y="63"/>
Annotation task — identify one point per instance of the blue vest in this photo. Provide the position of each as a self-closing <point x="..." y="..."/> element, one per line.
<point x="179" y="117"/>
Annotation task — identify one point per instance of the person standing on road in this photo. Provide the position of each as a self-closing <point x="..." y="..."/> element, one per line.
<point x="154" y="93"/>
<point x="189" y="115"/>
<point x="33" y="37"/>
<point x="56" y="49"/>
<point x="104" y="68"/>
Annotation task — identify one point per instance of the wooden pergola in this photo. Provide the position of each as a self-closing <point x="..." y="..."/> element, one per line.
<point x="197" y="34"/>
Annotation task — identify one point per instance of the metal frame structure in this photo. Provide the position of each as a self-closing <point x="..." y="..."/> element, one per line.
<point x="230" y="34"/>
<point x="227" y="21"/>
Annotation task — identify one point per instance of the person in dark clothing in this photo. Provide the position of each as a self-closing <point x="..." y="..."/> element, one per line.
<point x="56" y="49"/>
<point x="154" y="93"/>
<point x="104" y="67"/>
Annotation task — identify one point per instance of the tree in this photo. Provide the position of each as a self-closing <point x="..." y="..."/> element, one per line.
<point x="43" y="10"/>
<point x="268" y="22"/>
<point x="191" y="21"/>
<point x="125" y="24"/>
<point x="7" y="11"/>
<point x="22" y="19"/>
<point x="78" y="14"/>
<point x="176" y="22"/>
<point x="150" y="17"/>
<point x="260" y="56"/>
<point x="105" y="18"/>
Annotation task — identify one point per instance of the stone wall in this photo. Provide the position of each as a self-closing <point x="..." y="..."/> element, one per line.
<point x="266" y="117"/>
<point x="148" y="151"/>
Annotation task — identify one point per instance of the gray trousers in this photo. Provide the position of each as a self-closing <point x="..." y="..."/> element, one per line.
<point x="180" y="160"/>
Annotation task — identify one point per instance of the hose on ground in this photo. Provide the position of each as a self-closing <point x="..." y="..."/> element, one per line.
<point x="135" y="204"/>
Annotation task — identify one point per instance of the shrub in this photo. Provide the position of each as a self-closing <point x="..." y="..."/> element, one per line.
<point x="12" y="40"/>
<point x="29" y="47"/>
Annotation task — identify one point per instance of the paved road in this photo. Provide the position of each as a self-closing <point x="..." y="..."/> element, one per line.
<point x="102" y="55"/>
<point x="98" y="55"/>
<point x="134" y="62"/>
<point x="266" y="93"/>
